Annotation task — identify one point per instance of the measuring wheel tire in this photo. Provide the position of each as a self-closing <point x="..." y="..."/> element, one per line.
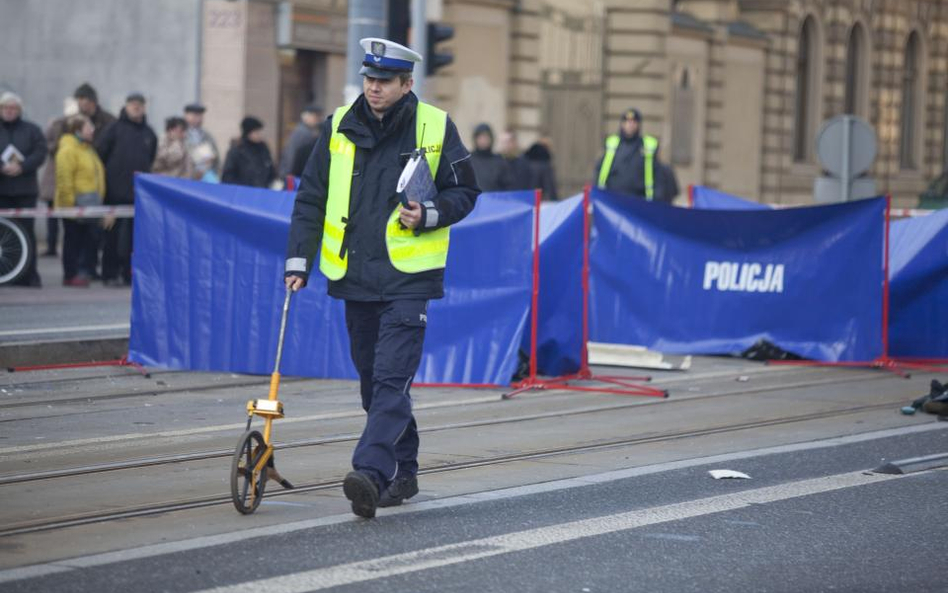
<point x="15" y="251"/>
<point x="250" y="448"/>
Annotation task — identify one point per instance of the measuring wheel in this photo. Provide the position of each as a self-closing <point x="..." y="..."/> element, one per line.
<point x="253" y="461"/>
<point x="15" y="251"/>
<point x="246" y="482"/>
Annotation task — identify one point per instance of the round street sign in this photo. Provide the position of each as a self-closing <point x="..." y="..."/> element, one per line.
<point x="831" y="146"/>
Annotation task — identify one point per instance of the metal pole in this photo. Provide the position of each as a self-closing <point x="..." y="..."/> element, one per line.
<point x="845" y="178"/>
<point x="419" y="41"/>
<point x="367" y="18"/>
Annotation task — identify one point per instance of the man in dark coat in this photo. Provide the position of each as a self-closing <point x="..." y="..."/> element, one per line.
<point x="493" y="173"/>
<point x="301" y="156"/>
<point x="521" y="175"/>
<point x="542" y="175"/>
<point x="22" y="152"/>
<point x="128" y="146"/>
<point x="666" y="183"/>
<point x="87" y="99"/>
<point x="248" y="161"/>
<point x="304" y="133"/>
<point x="386" y="291"/>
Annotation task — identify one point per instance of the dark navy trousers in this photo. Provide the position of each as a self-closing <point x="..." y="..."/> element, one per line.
<point x="386" y="339"/>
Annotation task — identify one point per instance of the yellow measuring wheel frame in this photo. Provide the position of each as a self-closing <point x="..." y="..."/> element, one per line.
<point x="253" y="462"/>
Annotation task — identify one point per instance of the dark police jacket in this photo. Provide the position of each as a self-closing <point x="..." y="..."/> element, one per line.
<point x="126" y="147"/>
<point x="627" y="175"/>
<point x="382" y="149"/>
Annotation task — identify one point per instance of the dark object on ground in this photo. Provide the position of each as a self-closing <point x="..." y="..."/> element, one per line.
<point x="523" y="367"/>
<point x="763" y="350"/>
<point x="936" y="402"/>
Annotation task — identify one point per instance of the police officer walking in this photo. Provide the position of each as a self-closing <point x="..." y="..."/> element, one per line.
<point x="630" y="164"/>
<point x="384" y="259"/>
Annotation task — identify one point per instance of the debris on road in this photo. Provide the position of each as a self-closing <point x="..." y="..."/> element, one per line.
<point x="728" y="474"/>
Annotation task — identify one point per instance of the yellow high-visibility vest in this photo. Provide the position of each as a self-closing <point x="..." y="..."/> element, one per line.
<point x="649" y="148"/>
<point x="409" y="253"/>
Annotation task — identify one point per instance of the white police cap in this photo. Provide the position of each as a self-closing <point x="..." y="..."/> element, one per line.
<point x="386" y="59"/>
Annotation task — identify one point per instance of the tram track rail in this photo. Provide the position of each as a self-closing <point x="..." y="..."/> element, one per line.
<point x="156" y="389"/>
<point x="143" y="462"/>
<point x="147" y="391"/>
<point x="26" y="527"/>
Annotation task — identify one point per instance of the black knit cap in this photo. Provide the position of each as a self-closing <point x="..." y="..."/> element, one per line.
<point x="249" y="124"/>
<point x="86" y="91"/>
<point x="632" y="113"/>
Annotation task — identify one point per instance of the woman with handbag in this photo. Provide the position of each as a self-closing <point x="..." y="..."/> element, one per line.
<point x="80" y="181"/>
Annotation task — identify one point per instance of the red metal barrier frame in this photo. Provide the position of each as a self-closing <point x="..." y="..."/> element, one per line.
<point x="537" y="198"/>
<point x="620" y="385"/>
<point x="899" y="366"/>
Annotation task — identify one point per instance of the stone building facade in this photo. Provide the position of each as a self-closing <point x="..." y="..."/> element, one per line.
<point x="736" y="90"/>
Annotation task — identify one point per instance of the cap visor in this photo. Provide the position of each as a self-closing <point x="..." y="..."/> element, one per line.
<point x="377" y="73"/>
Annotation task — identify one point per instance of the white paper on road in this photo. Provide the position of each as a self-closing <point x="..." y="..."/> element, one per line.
<point x="726" y="474"/>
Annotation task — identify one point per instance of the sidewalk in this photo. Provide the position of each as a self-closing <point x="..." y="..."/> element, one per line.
<point x="57" y="323"/>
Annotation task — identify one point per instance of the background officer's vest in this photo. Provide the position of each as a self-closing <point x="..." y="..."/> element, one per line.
<point x="408" y="253"/>
<point x="649" y="148"/>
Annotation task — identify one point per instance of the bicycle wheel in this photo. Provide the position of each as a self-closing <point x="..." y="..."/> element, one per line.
<point x="246" y="489"/>
<point x="15" y="252"/>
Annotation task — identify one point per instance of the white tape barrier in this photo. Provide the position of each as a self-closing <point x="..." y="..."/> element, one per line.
<point x="909" y="212"/>
<point x="129" y="212"/>
<point x="83" y="212"/>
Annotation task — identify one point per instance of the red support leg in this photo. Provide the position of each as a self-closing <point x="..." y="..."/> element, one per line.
<point x="624" y="385"/>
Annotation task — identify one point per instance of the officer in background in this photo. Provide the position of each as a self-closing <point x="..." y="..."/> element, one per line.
<point x="630" y="164"/>
<point x="385" y="260"/>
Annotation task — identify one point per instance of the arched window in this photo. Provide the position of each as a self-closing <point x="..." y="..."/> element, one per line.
<point x="857" y="72"/>
<point x="806" y="105"/>
<point x="911" y="103"/>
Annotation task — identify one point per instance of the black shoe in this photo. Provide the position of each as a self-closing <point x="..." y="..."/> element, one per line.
<point x="399" y="490"/>
<point x="360" y="488"/>
<point x="30" y="280"/>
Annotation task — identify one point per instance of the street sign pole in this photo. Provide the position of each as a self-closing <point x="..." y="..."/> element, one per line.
<point x="845" y="176"/>
<point x="419" y="41"/>
<point x="367" y="18"/>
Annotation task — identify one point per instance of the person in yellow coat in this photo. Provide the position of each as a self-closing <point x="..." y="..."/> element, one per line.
<point x="80" y="181"/>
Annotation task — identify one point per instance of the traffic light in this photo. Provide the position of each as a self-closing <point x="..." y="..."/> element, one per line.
<point x="435" y="60"/>
<point x="399" y="21"/>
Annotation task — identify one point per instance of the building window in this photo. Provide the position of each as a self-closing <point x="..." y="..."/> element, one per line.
<point x="683" y="108"/>
<point x="856" y="72"/>
<point x="806" y="105"/>
<point x="944" y="156"/>
<point x="911" y="103"/>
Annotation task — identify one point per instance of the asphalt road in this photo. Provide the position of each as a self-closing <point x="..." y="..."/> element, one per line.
<point x="810" y="519"/>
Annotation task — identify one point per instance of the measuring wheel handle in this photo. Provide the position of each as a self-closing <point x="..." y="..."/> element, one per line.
<point x="253" y="461"/>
